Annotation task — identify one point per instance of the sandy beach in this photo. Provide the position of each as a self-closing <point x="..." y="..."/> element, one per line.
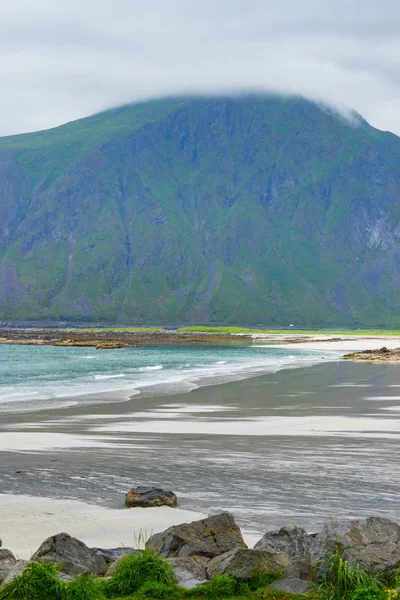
<point x="293" y="446"/>
<point x="25" y="522"/>
<point x="347" y="344"/>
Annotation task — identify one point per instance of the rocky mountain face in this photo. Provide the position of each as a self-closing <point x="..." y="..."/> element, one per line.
<point x="241" y="210"/>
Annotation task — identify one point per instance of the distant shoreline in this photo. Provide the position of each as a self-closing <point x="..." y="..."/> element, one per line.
<point x="114" y="338"/>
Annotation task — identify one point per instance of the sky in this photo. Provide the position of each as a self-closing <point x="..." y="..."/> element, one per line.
<point x="65" y="59"/>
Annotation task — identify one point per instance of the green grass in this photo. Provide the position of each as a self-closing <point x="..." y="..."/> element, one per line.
<point x="138" y="577"/>
<point x="37" y="582"/>
<point x="344" y="581"/>
<point x="137" y="569"/>
<point x="132" y="329"/>
<point x="330" y="332"/>
<point x="85" y="587"/>
<point x="146" y="576"/>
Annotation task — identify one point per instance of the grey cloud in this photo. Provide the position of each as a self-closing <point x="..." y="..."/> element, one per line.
<point x="66" y="59"/>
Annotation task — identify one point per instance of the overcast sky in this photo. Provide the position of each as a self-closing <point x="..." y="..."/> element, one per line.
<point x="65" y="59"/>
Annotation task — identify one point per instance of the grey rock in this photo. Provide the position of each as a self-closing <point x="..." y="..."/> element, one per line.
<point x="150" y="497"/>
<point x="73" y="556"/>
<point x="16" y="570"/>
<point x="65" y="577"/>
<point x="295" y="542"/>
<point x="374" y="543"/>
<point x="293" y="585"/>
<point x="189" y="572"/>
<point x="7" y="562"/>
<point x="112" y="554"/>
<point x="243" y="563"/>
<point x="207" y="537"/>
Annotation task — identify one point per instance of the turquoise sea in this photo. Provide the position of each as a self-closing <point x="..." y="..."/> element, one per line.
<point x="38" y="377"/>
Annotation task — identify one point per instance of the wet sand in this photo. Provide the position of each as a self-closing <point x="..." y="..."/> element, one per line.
<point x="299" y="446"/>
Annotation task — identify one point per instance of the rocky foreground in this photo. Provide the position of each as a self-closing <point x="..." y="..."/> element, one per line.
<point x="200" y="550"/>
<point x="381" y="355"/>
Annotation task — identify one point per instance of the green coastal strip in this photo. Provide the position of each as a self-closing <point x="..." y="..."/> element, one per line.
<point x="330" y="332"/>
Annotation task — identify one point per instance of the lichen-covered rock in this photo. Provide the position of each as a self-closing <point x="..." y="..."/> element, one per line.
<point x="146" y="497"/>
<point x="243" y="563"/>
<point x="207" y="537"/>
<point x="73" y="556"/>
<point x="190" y="572"/>
<point x="7" y="562"/>
<point x="293" y="585"/>
<point x="295" y="542"/>
<point x="374" y="543"/>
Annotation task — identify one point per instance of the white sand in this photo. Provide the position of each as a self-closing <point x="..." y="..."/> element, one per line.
<point x="40" y="441"/>
<point x="25" y="522"/>
<point x="315" y="426"/>
<point x="353" y="344"/>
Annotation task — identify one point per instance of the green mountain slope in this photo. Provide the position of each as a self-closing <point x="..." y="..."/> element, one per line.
<point x="228" y="210"/>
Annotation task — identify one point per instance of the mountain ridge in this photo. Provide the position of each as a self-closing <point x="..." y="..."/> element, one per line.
<point x="252" y="209"/>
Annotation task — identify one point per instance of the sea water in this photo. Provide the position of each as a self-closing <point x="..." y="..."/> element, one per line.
<point x="38" y="377"/>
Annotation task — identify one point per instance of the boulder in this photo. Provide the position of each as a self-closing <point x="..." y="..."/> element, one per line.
<point x="189" y="572"/>
<point x="113" y="554"/>
<point x="293" y="541"/>
<point x="146" y="497"/>
<point x="7" y="562"/>
<point x="292" y="585"/>
<point x="243" y="563"/>
<point x="16" y="570"/>
<point x="72" y="555"/>
<point x="374" y="543"/>
<point x="207" y="537"/>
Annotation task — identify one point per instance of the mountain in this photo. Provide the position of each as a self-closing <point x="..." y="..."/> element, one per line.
<point x="246" y="210"/>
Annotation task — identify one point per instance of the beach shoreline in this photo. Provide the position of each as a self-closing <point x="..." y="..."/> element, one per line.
<point x="325" y="416"/>
<point x="109" y="339"/>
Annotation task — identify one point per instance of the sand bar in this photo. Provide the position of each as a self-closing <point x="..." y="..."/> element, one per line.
<point x="346" y="344"/>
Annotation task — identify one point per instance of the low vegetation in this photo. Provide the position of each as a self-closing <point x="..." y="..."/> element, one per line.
<point x="122" y="329"/>
<point x="330" y="332"/>
<point x="148" y="577"/>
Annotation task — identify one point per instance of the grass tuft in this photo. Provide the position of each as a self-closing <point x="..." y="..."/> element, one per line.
<point x="159" y="591"/>
<point x="349" y="582"/>
<point x="137" y="569"/>
<point x="85" y="587"/>
<point x="36" y="582"/>
<point x="220" y="586"/>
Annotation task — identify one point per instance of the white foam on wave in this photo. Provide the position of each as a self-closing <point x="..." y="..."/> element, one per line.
<point x="381" y="398"/>
<point x="350" y="385"/>
<point x="100" y="377"/>
<point x="150" y="379"/>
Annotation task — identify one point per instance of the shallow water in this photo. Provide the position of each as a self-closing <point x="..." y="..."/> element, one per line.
<point x="299" y="445"/>
<point x="35" y="378"/>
